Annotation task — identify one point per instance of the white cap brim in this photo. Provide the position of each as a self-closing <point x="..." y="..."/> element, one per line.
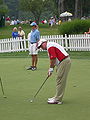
<point x="40" y="42"/>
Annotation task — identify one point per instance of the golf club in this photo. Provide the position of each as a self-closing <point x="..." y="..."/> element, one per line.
<point x="2" y="88"/>
<point x="39" y="90"/>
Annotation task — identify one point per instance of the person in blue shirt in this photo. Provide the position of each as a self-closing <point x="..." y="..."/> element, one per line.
<point x="15" y="33"/>
<point x="33" y="37"/>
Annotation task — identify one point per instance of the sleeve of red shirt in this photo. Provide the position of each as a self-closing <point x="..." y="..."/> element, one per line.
<point x="52" y="53"/>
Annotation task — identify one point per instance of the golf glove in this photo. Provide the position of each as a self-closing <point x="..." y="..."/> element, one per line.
<point x="50" y="71"/>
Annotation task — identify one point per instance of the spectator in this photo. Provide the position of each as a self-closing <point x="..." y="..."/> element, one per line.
<point x="12" y="22"/>
<point x="30" y="21"/>
<point x="8" y="20"/>
<point x="15" y="33"/>
<point x="59" y="22"/>
<point x="18" y="21"/>
<point x="69" y="20"/>
<point x="51" y="21"/>
<point x="21" y="33"/>
<point x="15" y="22"/>
<point x="42" y="21"/>
<point x="87" y="32"/>
<point x="45" y="21"/>
<point x="33" y="37"/>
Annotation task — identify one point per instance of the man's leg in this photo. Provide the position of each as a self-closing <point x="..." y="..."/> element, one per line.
<point x="34" y="60"/>
<point x="62" y="74"/>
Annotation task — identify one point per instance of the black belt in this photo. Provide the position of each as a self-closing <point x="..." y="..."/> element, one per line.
<point x="64" y="58"/>
<point x="33" y="42"/>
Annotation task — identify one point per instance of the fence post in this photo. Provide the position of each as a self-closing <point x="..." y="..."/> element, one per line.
<point x="66" y="42"/>
<point x="25" y="44"/>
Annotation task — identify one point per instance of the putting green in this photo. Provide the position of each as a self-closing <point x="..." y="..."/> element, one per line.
<point x="20" y="85"/>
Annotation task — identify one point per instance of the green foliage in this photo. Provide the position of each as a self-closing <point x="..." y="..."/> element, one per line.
<point x="37" y="7"/>
<point x="3" y="9"/>
<point x="1" y="2"/>
<point x="74" y="27"/>
<point x="52" y="5"/>
<point x="13" y="8"/>
<point x="33" y="6"/>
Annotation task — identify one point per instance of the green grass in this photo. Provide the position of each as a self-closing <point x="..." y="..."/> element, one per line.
<point x="6" y="32"/>
<point x="20" y="85"/>
<point x="73" y="54"/>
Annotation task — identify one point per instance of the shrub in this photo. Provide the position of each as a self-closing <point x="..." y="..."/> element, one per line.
<point x="74" y="27"/>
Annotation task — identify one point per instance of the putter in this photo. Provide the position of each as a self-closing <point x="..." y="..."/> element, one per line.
<point x="39" y="90"/>
<point x="2" y="88"/>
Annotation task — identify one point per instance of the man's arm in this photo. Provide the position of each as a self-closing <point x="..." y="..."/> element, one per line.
<point x="52" y="62"/>
<point x="52" y="55"/>
<point x="52" y="65"/>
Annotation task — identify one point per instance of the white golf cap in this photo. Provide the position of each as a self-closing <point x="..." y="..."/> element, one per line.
<point x="33" y="24"/>
<point x="40" y="42"/>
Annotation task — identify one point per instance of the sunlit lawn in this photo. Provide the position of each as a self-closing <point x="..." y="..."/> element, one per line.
<point x="6" y="32"/>
<point x="21" y="85"/>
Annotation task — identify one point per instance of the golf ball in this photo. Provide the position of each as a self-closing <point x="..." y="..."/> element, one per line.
<point x="31" y="101"/>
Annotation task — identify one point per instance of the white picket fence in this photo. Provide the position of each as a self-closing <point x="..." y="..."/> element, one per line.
<point x="12" y="45"/>
<point x="79" y="42"/>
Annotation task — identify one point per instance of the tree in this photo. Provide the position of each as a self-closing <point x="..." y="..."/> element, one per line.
<point x="13" y="8"/>
<point x="76" y="8"/>
<point x="85" y="7"/>
<point x="3" y="8"/>
<point x="36" y="7"/>
<point x="54" y="7"/>
<point x="3" y="11"/>
<point x="59" y="6"/>
<point x="82" y="8"/>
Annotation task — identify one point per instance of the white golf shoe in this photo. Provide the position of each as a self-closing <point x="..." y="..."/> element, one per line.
<point x="53" y="101"/>
<point x="51" y="98"/>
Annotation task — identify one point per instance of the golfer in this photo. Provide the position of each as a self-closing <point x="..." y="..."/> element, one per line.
<point x="60" y="58"/>
<point x="33" y="37"/>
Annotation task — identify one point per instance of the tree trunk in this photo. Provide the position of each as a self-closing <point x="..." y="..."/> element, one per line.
<point x="76" y="8"/>
<point x="81" y="10"/>
<point x="59" y="7"/>
<point x="62" y="6"/>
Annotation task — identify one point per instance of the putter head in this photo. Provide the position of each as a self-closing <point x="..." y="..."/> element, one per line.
<point x="30" y="100"/>
<point x="4" y="97"/>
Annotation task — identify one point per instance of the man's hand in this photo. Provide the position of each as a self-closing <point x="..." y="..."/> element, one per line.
<point x="49" y="74"/>
<point x="50" y="71"/>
